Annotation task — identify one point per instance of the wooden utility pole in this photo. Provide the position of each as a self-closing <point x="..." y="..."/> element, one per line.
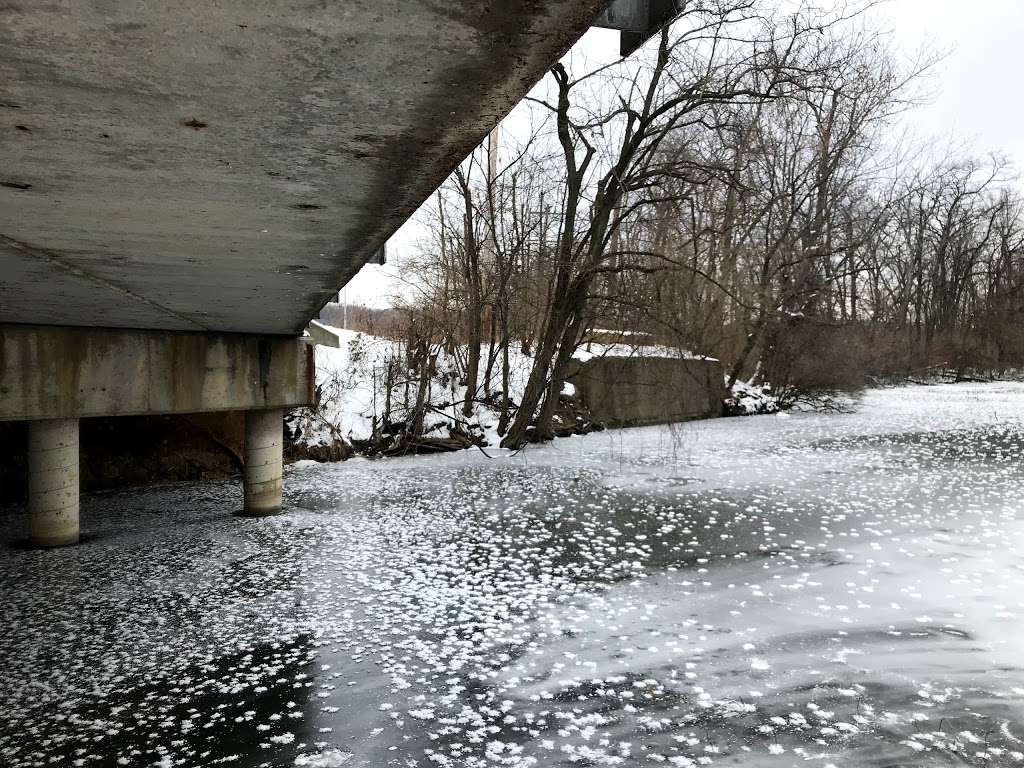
<point x="490" y="248"/>
<point x="493" y="141"/>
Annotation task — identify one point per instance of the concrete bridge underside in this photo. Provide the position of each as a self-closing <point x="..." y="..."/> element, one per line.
<point x="199" y="166"/>
<point x="185" y="184"/>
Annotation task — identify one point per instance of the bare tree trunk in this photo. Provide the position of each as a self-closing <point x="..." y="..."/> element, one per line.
<point x="492" y="330"/>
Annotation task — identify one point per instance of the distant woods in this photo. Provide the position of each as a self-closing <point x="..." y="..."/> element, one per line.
<point x="739" y="189"/>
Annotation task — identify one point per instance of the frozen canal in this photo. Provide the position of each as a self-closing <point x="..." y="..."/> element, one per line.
<point x="821" y="590"/>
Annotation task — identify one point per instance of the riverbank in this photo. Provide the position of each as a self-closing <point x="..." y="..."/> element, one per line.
<point x="372" y="401"/>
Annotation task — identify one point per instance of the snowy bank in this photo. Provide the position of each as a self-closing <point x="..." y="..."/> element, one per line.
<point x="748" y="399"/>
<point x="369" y="388"/>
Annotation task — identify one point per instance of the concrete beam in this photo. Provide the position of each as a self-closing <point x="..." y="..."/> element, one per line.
<point x="65" y="373"/>
<point x="639" y="20"/>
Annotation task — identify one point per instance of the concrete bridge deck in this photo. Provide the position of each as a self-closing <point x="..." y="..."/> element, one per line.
<point x="227" y="166"/>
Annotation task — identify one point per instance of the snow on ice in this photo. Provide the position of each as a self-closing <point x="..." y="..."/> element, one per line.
<point x="838" y="589"/>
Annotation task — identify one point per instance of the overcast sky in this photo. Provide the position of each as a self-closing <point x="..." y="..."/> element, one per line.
<point x="977" y="94"/>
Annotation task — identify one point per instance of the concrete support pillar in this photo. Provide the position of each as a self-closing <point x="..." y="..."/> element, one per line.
<point x="263" y="461"/>
<point x="53" y="481"/>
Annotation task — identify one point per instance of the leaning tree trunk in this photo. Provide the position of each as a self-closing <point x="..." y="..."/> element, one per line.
<point x="566" y="347"/>
<point x="536" y="384"/>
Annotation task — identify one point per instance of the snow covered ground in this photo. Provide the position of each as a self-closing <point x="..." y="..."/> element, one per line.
<point x="794" y="589"/>
<point x="364" y="381"/>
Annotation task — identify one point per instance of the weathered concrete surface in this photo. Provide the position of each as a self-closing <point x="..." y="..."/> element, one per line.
<point x="322" y="335"/>
<point x="261" y="481"/>
<point x="57" y="373"/>
<point x="228" y="166"/>
<point x="53" y="482"/>
<point x="626" y="391"/>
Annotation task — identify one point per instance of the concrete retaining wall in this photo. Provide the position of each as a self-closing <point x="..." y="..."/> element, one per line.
<point x="627" y="391"/>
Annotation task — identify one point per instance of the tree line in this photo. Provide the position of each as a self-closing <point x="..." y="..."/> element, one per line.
<point x="739" y="189"/>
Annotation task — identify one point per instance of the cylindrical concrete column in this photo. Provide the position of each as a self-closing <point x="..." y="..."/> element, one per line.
<point x="53" y="481"/>
<point x="264" y="431"/>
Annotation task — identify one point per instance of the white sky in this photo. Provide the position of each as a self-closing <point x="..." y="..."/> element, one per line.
<point x="977" y="95"/>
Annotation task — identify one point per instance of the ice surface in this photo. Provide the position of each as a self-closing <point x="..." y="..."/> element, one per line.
<point x="813" y="589"/>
